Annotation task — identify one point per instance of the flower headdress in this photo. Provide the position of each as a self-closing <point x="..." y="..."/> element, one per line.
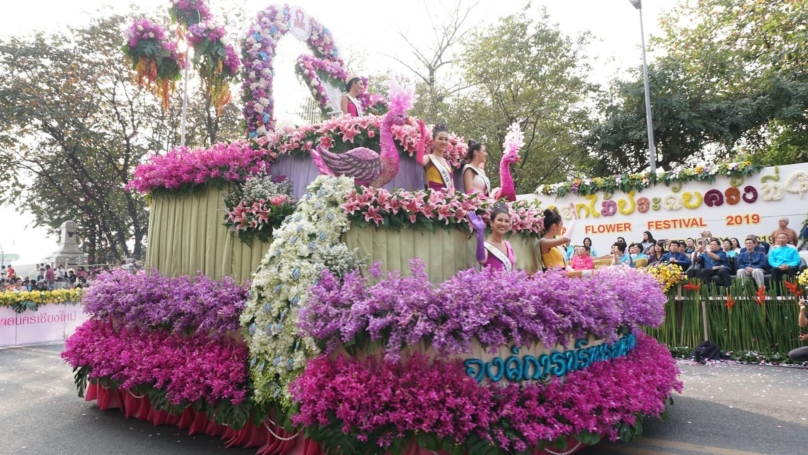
<point x="402" y="97"/>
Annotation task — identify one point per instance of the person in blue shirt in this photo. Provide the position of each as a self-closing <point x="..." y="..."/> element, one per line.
<point x="620" y="256"/>
<point x="751" y="262"/>
<point x="674" y="256"/>
<point x="714" y="263"/>
<point x="784" y="259"/>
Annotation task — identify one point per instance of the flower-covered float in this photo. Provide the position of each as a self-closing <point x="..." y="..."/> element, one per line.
<point x="333" y="317"/>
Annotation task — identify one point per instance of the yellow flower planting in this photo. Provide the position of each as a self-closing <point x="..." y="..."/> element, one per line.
<point x="803" y="278"/>
<point x="57" y="296"/>
<point x="668" y="275"/>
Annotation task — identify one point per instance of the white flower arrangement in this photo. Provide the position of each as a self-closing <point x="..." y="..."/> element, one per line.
<point x="280" y="286"/>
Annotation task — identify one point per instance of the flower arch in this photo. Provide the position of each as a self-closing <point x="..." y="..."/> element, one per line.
<point x="259" y="51"/>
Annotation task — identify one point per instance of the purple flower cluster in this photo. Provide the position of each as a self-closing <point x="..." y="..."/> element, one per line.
<point x="380" y="401"/>
<point x="231" y="60"/>
<point x="184" y="167"/>
<point x="198" y="33"/>
<point x="493" y="307"/>
<point x="151" y="301"/>
<point x="189" y="12"/>
<point x="189" y="368"/>
<point x="143" y="30"/>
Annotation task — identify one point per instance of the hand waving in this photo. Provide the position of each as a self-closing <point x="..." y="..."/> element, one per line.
<point x="476" y="222"/>
<point x="574" y="212"/>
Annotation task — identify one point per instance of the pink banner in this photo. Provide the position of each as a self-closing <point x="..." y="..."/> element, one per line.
<point x="48" y="324"/>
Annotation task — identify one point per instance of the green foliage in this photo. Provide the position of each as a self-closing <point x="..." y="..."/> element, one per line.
<point x="525" y="70"/>
<point x="731" y="81"/>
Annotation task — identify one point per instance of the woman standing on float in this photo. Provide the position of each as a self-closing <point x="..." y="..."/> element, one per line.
<point x="550" y="245"/>
<point x="350" y="104"/>
<point x="438" y="170"/>
<point x="495" y="252"/>
<point x="474" y="178"/>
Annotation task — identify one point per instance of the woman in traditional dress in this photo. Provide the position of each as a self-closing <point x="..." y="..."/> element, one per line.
<point x="495" y="252"/>
<point x="350" y="104"/>
<point x="551" y="247"/>
<point x="474" y="178"/>
<point x="438" y="171"/>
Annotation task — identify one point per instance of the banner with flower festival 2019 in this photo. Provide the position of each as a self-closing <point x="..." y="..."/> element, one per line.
<point x="729" y="200"/>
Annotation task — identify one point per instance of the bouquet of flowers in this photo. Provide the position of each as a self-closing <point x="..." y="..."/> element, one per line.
<point x="258" y="206"/>
<point x="803" y="278"/>
<point x="668" y="275"/>
<point x="216" y="61"/>
<point x="189" y="12"/>
<point x="156" y="61"/>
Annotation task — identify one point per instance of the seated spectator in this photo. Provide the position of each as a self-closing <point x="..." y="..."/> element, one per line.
<point x="714" y="263"/>
<point x="726" y="245"/>
<point x="736" y="246"/>
<point x="751" y="262"/>
<point x="592" y="252"/>
<point x="71" y="277"/>
<point x="16" y="285"/>
<point x="656" y="254"/>
<point x="583" y="259"/>
<point x="648" y="242"/>
<point x="620" y="256"/>
<point x="801" y="354"/>
<point x="26" y="284"/>
<point x="691" y="246"/>
<point x="674" y="256"/>
<point x="784" y="259"/>
<point x="636" y="251"/>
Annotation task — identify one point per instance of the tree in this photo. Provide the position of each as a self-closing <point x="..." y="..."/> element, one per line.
<point x="434" y="89"/>
<point x="731" y="81"/>
<point x="526" y="71"/>
<point x="73" y="127"/>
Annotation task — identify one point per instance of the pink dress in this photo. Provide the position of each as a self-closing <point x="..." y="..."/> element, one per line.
<point x="495" y="257"/>
<point x="582" y="263"/>
<point x="354" y="109"/>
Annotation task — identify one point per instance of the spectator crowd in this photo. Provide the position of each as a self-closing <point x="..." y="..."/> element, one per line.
<point x="48" y="278"/>
<point x="707" y="258"/>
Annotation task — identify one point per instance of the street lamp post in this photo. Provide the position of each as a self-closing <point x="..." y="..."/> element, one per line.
<point x="651" y="148"/>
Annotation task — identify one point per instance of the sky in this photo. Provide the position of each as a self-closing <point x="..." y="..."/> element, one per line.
<point x="366" y="31"/>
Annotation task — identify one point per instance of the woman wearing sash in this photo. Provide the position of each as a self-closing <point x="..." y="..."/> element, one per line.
<point x="438" y="170"/>
<point x="350" y="104"/>
<point x="474" y="178"/>
<point x="496" y="252"/>
<point x="551" y="247"/>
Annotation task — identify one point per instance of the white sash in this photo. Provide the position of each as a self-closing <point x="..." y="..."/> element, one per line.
<point x="499" y="255"/>
<point x="444" y="173"/>
<point x="485" y="179"/>
<point x="356" y="104"/>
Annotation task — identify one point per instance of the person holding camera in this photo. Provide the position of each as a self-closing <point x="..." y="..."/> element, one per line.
<point x="714" y="263"/>
<point x="801" y="354"/>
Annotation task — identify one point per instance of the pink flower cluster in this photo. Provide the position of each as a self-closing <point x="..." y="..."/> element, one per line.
<point x="143" y="30"/>
<point x="184" y="167"/>
<point x="379" y="206"/>
<point x="198" y="33"/>
<point x="381" y="402"/>
<point x="340" y="133"/>
<point x="189" y="368"/>
<point x="248" y="215"/>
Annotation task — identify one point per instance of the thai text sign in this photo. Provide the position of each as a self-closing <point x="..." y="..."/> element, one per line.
<point x="727" y="208"/>
<point x="49" y="323"/>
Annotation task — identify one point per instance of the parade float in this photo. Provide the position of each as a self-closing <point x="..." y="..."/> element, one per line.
<point x="308" y="295"/>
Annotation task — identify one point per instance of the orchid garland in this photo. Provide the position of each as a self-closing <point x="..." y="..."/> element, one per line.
<point x="491" y="307"/>
<point x="150" y="301"/>
<point x="384" y="405"/>
<point x="258" y="54"/>
<point x="583" y="186"/>
<point x="189" y="368"/>
<point x="183" y="168"/>
<point x="216" y="61"/>
<point x="156" y="61"/>
<point x="280" y="288"/>
<point x="313" y="71"/>
<point x="428" y="209"/>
